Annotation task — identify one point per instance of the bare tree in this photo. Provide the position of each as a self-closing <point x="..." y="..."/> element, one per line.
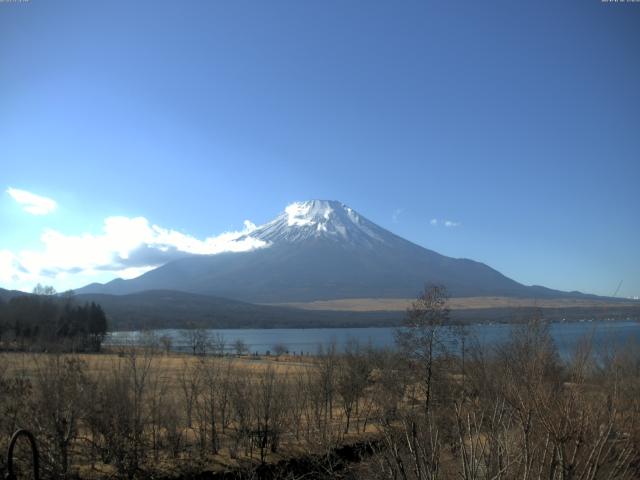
<point x="269" y="405"/>
<point x="166" y="342"/>
<point x="213" y="401"/>
<point x="197" y="340"/>
<point x="240" y="347"/>
<point x="353" y="375"/>
<point x="157" y="405"/>
<point x="44" y="290"/>
<point x="218" y="344"/>
<point x="190" y="381"/>
<point x="423" y="334"/>
<point x="56" y="406"/>
<point x="279" y="349"/>
<point x="241" y="412"/>
<point x="118" y="416"/>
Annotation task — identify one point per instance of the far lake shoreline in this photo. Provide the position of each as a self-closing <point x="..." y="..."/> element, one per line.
<point x="308" y="340"/>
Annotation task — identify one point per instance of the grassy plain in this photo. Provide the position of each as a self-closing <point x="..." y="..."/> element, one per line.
<point x="167" y="383"/>
<point x="458" y="303"/>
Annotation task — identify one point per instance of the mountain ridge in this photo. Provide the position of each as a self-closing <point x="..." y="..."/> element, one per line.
<point x="322" y="250"/>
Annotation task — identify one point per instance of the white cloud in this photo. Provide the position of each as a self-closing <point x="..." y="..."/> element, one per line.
<point x="126" y="247"/>
<point x="395" y="216"/>
<point x="134" y="272"/>
<point x="8" y="267"/>
<point x="32" y="203"/>
<point x="447" y="223"/>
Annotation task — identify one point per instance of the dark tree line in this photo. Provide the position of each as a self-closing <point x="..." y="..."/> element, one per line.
<point x="43" y="320"/>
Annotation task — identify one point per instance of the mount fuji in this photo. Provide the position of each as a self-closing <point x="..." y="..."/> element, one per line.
<point x="323" y="250"/>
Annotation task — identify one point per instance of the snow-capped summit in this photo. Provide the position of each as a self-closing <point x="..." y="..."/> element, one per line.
<point x="320" y="219"/>
<point x="310" y="212"/>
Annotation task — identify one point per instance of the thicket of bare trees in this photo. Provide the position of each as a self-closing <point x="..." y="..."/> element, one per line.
<point x="512" y="411"/>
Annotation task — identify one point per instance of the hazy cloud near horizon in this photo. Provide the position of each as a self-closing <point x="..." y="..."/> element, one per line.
<point x="126" y="247"/>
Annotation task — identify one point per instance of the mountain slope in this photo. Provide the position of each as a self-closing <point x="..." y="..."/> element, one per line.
<point x="6" y="295"/>
<point x="319" y="250"/>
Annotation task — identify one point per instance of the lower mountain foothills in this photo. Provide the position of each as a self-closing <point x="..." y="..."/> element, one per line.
<point x="159" y="309"/>
<point x="174" y="309"/>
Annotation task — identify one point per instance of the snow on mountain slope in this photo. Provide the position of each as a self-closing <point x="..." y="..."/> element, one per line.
<point x="321" y="219"/>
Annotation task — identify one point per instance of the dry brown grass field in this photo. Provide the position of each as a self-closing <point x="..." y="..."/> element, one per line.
<point x="423" y="413"/>
<point x="456" y="303"/>
<point x="270" y="395"/>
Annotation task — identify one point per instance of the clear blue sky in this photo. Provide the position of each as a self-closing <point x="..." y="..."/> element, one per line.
<point x="518" y="120"/>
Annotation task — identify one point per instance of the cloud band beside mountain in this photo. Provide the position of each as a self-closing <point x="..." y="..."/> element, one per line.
<point x="126" y="247"/>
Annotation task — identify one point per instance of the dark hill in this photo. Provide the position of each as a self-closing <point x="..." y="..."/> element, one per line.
<point x="175" y="309"/>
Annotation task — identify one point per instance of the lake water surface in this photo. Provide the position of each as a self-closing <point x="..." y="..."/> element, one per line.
<point x="308" y="340"/>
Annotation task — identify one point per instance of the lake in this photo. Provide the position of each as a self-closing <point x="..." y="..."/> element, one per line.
<point x="307" y="341"/>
